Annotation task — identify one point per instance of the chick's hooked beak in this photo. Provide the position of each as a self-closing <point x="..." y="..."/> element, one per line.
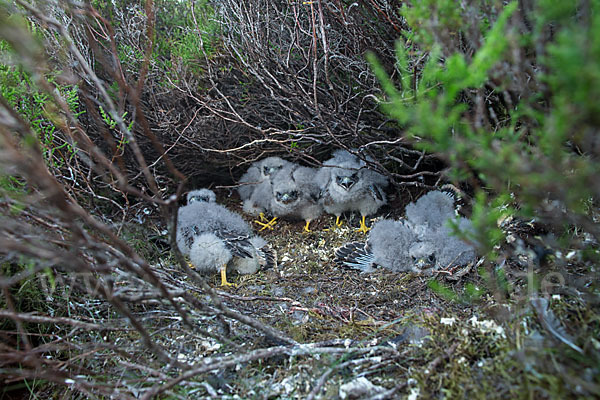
<point x="268" y="171"/>
<point x="286" y="197"/>
<point x="346" y="182"/>
<point x="424" y="262"/>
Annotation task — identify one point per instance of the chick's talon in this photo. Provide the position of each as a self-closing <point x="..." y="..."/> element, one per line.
<point x="306" y="228"/>
<point x="363" y="226"/>
<point x="266" y="225"/>
<point x="224" y="277"/>
<point x="272" y="222"/>
<point x="337" y="224"/>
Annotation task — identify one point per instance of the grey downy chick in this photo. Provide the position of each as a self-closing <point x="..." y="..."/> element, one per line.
<point x="388" y="245"/>
<point x="258" y="172"/>
<point x="295" y="194"/>
<point x="440" y="249"/>
<point x="256" y="190"/>
<point x="201" y="195"/>
<point x="430" y="212"/>
<point x="424" y="241"/>
<point x="203" y="214"/>
<point x="221" y="250"/>
<point x="216" y="238"/>
<point x="349" y="186"/>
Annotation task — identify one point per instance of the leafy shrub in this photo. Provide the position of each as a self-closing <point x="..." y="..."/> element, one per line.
<point x="36" y="107"/>
<point x="533" y="150"/>
<point x="510" y="100"/>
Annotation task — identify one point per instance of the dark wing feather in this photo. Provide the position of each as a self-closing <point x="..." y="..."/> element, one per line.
<point x="239" y="245"/>
<point x="376" y="192"/>
<point x="268" y="257"/>
<point x="355" y="255"/>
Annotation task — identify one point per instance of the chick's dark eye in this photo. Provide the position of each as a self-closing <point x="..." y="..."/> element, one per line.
<point x="204" y="199"/>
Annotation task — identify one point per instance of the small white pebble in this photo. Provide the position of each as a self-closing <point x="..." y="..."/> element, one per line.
<point x="487" y="326"/>
<point x="414" y="393"/>
<point x="558" y="254"/>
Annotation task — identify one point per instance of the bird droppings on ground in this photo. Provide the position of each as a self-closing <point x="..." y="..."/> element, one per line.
<point x="359" y="388"/>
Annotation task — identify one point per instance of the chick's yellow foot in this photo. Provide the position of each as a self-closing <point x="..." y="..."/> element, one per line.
<point x="363" y="226"/>
<point x="272" y="222"/>
<point x="224" y="277"/>
<point x="337" y="224"/>
<point x="262" y="217"/>
<point x="306" y="229"/>
<point x="266" y="225"/>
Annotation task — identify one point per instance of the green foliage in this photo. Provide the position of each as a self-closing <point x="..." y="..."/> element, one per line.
<point x="11" y="184"/>
<point x="184" y="32"/>
<point x="27" y="295"/>
<point x="187" y="48"/>
<point x="431" y="109"/>
<point x="538" y="152"/>
<point x="486" y="217"/>
<point x="446" y="12"/>
<point x="469" y="294"/>
<point x="543" y="148"/>
<point x="37" y="107"/>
